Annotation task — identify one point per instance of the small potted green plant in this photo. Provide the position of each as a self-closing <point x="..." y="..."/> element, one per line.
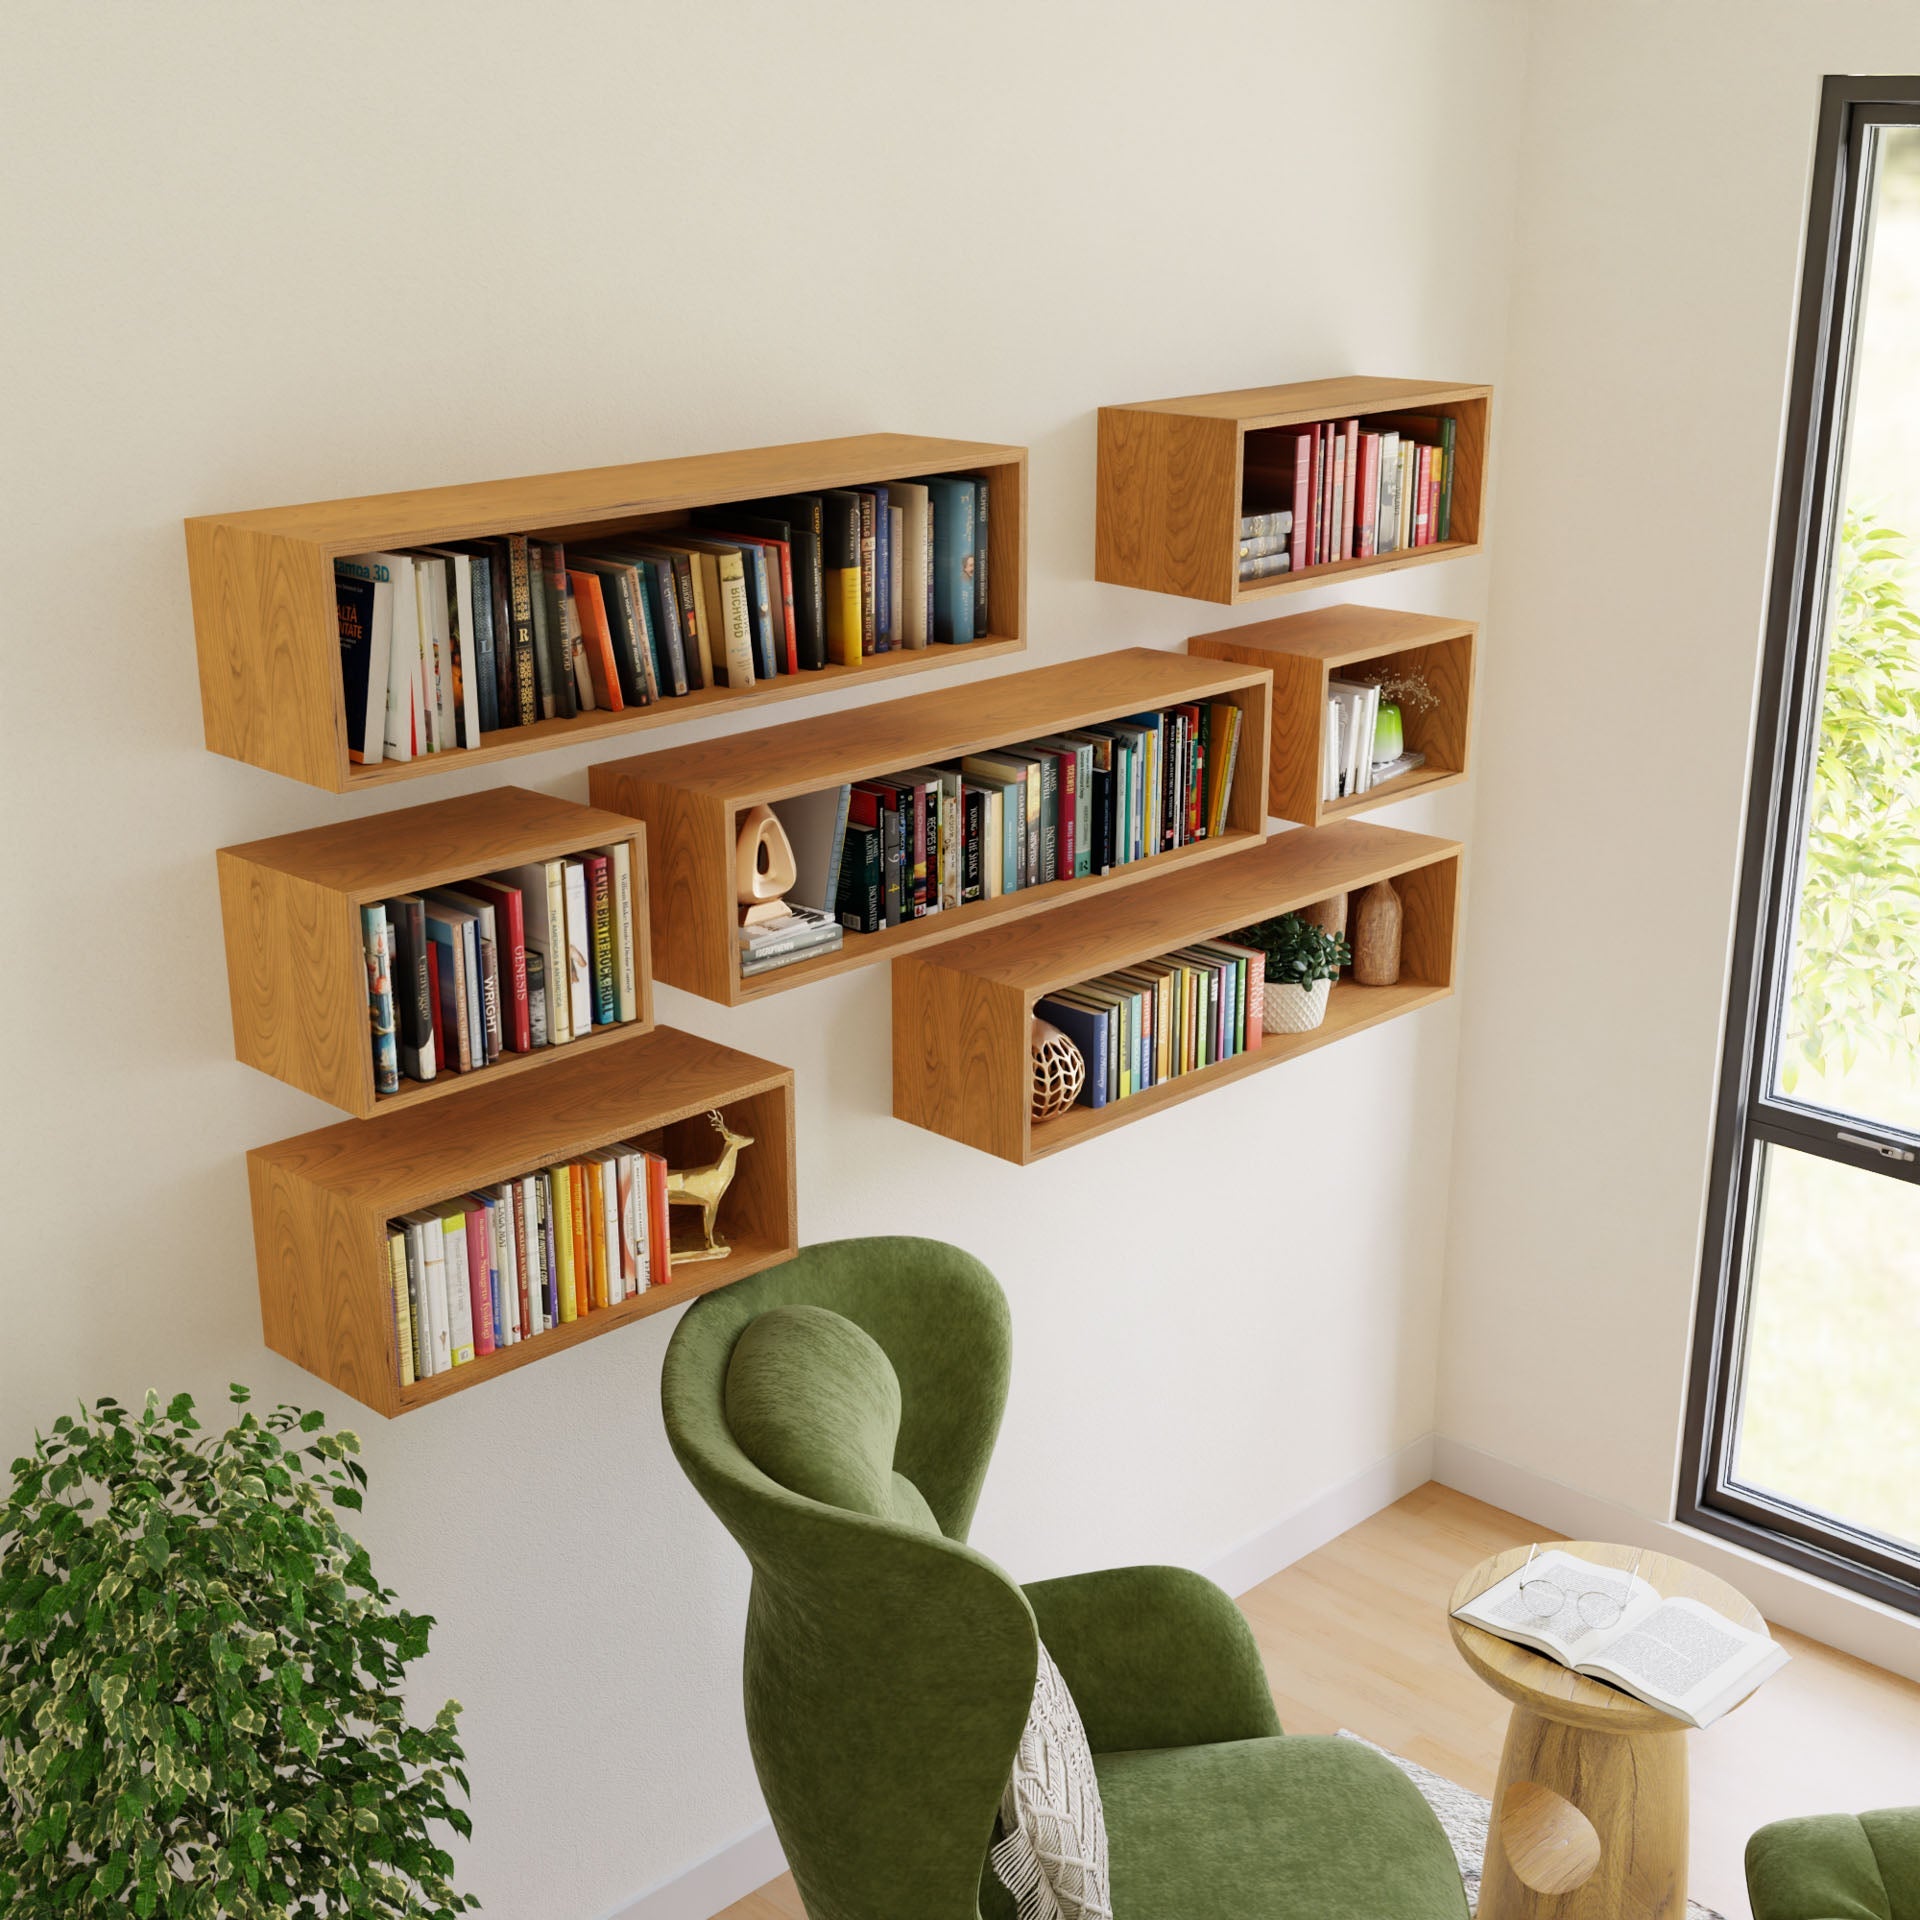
<point x="200" y="1682"/>
<point x="1303" y="961"/>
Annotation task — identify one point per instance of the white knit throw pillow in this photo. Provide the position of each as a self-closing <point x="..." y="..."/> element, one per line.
<point x="1053" y="1859"/>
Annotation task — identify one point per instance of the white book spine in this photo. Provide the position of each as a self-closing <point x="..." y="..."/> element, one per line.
<point x="579" y="950"/>
<point x="527" y="1218"/>
<point x="433" y="1266"/>
<point x="403" y="657"/>
<point x="610" y="1228"/>
<point x="506" y="1263"/>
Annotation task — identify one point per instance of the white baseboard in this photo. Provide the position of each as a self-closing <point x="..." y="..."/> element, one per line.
<point x="741" y="1867"/>
<point x="1324" y="1518"/>
<point x="1789" y="1598"/>
<point x="749" y="1862"/>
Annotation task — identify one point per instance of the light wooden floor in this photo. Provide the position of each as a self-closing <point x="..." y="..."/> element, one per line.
<point x="1355" y="1636"/>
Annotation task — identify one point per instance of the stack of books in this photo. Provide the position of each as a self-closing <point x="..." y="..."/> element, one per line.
<point x="1353" y="720"/>
<point x="511" y="1262"/>
<point x="1162" y="1018"/>
<point x="804" y="933"/>
<point x="877" y="853"/>
<point x="442" y="645"/>
<point x="1347" y="490"/>
<point x="536" y="956"/>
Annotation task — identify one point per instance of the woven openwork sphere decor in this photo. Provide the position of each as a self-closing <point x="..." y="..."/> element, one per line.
<point x="1058" y="1071"/>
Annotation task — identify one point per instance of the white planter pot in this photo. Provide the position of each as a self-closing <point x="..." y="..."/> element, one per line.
<point x="1291" y="1009"/>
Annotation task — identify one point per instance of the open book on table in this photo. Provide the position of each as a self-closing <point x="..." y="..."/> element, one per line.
<point x="1677" y="1655"/>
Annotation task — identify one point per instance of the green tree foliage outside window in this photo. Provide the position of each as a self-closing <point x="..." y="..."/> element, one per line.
<point x="200" y="1681"/>
<point x="1856" y="977"/>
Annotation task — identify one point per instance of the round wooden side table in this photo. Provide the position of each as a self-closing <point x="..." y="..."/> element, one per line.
<point x="1590" y="1814"/>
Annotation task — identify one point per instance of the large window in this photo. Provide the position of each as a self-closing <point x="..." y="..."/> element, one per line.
<point x="1804" y="1423"/>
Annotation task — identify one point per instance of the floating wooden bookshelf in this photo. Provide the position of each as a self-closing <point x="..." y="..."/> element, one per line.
<point x="321" y="1202"/>
<point x="1306" y="650"/>
<point x="296" y="967"/>
<point x="263" y="599"/>
<point x="961" y="1013"/>
<point x="690" y="798"/>
<point x="1173" y="477"/>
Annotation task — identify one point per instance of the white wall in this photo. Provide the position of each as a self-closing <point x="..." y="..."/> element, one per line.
<point x="260" y="255"/>
<point x="1665" y="171"/>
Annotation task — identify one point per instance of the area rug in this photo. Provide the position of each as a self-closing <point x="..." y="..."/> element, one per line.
<point x="1463" y="1818"/>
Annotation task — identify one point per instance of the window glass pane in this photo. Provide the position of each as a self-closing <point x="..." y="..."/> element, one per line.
<point x="1829" y="1411"/>
<point x="1850" y="1039"/>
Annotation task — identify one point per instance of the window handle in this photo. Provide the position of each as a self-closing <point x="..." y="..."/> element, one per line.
<point x="1880" y="1147"/>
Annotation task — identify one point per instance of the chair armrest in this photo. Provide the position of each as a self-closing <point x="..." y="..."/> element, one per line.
<point x="1836" y="1867"/>
<point x="1154" y="1657"/>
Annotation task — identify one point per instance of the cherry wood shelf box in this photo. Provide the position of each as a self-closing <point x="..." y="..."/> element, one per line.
<point x="1173" y="476"/>
<point x="296" y="967"/>
<point x="961" y="1013"/>
<point x="1306" y="650"/>
<point x="321" y="1202"/>
<point x="263" y="601"/>
<point x="690" y="798"/>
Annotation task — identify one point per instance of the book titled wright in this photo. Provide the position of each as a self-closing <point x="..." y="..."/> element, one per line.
<point x="441" y="646"/>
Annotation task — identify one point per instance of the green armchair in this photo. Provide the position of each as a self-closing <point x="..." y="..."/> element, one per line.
<point x="1837" y="1866"/>
<point x="889" y="1667"/>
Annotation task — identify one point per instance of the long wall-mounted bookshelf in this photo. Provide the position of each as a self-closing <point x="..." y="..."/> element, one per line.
<point x="962" y="1012"/>
<point x="297" y="970"/>
<point x="691" y="799"/>
<point x="266" y="620"/>
<point x="1176" y="477"/>
<point x="322" y="1201"/>
<point x="1354" y="643"/>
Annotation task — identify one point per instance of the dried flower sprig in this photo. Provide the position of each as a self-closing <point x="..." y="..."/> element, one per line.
<point x="1408" y="687"/>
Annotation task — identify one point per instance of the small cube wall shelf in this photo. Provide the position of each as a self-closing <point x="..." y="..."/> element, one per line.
<point x="961" y="1013"/>
<point x="263" y="598"/>
<point x="1173" y="478"/>
<point x="1306" y="650"/>
<point x="321" y="1202"/>
<point x="296" y="967"/>
<point x="691" y="798"/>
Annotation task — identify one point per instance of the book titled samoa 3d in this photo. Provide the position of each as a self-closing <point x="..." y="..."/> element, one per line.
<point x="1678" y="1655"/>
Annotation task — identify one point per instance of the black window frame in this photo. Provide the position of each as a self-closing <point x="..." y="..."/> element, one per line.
<point x="1750" y="1114"/>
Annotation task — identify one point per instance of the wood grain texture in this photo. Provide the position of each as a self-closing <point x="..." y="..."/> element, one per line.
<point x="1307" y="650"/>
<point x="1166" y="488"/>
<point x="961" y="1012"/>
<point x="321" y="1201"/>
<point x="264" y="618"/>
<point x="691" y="797"/>
<point x="1173" y="475"/>
<point x="290" y="913"/>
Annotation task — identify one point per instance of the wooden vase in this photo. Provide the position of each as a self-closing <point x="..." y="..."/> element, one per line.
<point x="1329" y="915"/>
<point x="1376" y="936"/>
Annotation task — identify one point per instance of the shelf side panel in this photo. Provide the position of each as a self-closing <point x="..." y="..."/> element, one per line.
<point x="960" y="1057"/>
<point x="1167" y="505"/>
<point x="264" y="631"/>
<point x="297" y="983"/>
<point x="1430" y="903"/>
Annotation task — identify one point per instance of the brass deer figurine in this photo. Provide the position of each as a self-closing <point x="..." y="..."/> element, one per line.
<point x="705" y="1188"/>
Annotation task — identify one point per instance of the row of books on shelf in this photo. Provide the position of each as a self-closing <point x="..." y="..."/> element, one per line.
<point x="876" y="853"/>
<point x="441" y="646"/>
<point x="511" y="1262"/>
<point x="1153" y="1022"/>
<point x="1346" y="490"/>
<point x="1352" y="740"/>
<point x="535" y="956"/>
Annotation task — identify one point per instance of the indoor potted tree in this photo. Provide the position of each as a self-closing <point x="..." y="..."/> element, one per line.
<point x="1303" y="961"/>
<point x="200" y="1682"/>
